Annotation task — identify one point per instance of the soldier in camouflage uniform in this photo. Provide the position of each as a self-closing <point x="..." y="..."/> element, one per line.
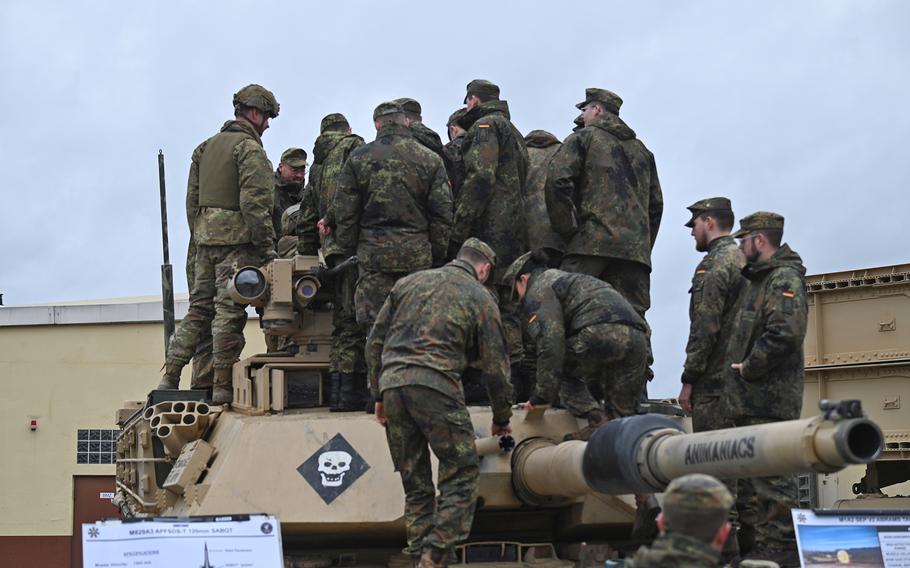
<point x="289" y="178"/>
<point x="229" y="206"/>
<point x="766" y="356"/>
<point x="430" y="327"/>
<point x="692" y="525"/>
<point x="454" y="161"/>
<point x="712" y="304"/>
<point x="490" y="204"/>
<point x="393" y="208"/>
<point x="586" y="334"/>
<point x="421" y="132"/>
<point x="604" y="199"/>
<point x="331" y="151"/>
<point x="542" y="146"/>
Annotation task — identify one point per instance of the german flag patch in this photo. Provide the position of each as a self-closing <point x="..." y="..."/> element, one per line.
<point x="533" y="318"/>
<point x="789" y="294"/>
<point x="701" y="271"/>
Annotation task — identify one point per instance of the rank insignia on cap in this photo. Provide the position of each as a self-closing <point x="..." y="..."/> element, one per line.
<point x="533" y="318"/>
<point x="789" y="294"/>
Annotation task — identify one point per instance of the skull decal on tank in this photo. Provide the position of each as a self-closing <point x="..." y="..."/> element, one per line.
<point x="332" y="467"/>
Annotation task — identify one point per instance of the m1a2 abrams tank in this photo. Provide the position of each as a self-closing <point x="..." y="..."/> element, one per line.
<point x="329" y="478"/>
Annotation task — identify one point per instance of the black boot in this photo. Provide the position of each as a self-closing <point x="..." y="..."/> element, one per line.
<point x="334" y="388"/>
<point x="351" y="392"/>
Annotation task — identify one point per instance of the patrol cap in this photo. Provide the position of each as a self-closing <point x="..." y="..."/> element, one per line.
<point x="409" y="105"/>
<point x="330" y="120"/>
<point x="456" y="116"/>
<point x="483" y="248"/>
<point x="541" y="137"/>
<point x="515" y="270"/>
<point x="580" y="120"/>
<point x="294" y="157"/>
<point x="258" y="97"/>
<point x="697" y="491"/>
<point x="607" y="98"/>
<point x="482" y="88"/>
<point x="759" y="221"/>
<point x="705" y="205"/>
<point x="387" y="108"/>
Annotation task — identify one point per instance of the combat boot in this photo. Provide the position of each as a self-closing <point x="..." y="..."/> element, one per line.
<point x="432" y="558"/>
<point x="595" y="420"/>
<point x="334" y="391"/>
<point x="169" y="383"/>
<point x="223" y="390"/>
<point x="351" y="392"/>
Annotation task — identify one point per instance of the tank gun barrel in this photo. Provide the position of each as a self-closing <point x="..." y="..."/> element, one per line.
<point x="642" y="454"/>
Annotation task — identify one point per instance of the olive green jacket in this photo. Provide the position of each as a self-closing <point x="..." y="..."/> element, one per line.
<point x="393" y="205"/>
<point x="229" y="197"/>
<point x="330" y="152"/>
<point x="490" y="203"/>
<point x="603" y="194"/>
<point x="712" y="303"/>
<point x="433" y="325"/>
<point x="769" y="329"/>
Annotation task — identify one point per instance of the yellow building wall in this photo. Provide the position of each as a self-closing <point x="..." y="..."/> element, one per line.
<point x="68" y="377"/>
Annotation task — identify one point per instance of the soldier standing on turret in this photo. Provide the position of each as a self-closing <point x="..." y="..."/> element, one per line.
<point x="229" y="205"/>
<point x="335" y="143"/>
<point x="766" y="355"/>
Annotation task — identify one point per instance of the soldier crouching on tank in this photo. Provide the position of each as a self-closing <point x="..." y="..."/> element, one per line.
<point x="693" y="525"/>
<point x="586" y="333"/>
<point x="229" y="205"/>
<point x="433" y="324"/>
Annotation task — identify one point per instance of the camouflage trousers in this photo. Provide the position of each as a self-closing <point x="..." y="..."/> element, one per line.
<point x="710" y="412"/>
<point x="421" y="419"/>
<point x="209" y="302"/>
<point x="629" y="278"/>
<point x="371" y="290"/>
<point x="604" y="360"/>
<point x="203" y="362"/>
<point x="348" y="338"/>
<point x="765" y="502"/>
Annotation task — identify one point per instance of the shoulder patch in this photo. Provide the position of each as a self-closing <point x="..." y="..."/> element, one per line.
<point x="789" y="294"/>
<point x="701" y="271"/>
<point x="533" y="318"/>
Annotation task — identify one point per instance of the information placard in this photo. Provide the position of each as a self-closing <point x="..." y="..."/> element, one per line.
<point x="248" y="541"/>
<point x="863" y="539"/>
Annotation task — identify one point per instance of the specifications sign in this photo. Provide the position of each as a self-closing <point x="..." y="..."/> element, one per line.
<point x="866" y="539"/>
<point x="249" y="541"/>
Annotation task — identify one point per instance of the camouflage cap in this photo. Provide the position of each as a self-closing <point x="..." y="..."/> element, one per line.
<point x="579" y="120"/>
<point x="294" y="157"/>
<point x="759" y="221"/>
<point x="515" y="270"/>
<point x="607" y="98"/>
<point x="483" y="88"/>
<point x="409" y="105"/>
<point x="705" y="205"/>
<point x="483" y="248"/>
<point x="330" y="120"/>
<point x="456" y="116"/>
<point x="259" y="97"/>
<point x="697" y="491"/>
<point x="387" y="108"/>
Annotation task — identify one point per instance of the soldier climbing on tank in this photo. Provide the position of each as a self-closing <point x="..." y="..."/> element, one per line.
<point x="586" y="335"/>
<point x="766" y="356"/>
<point x="433" y="324"/>
<point x="229" y="205"/>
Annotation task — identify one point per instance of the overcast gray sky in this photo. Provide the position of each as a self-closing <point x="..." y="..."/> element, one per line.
<point x="795" y="107"/>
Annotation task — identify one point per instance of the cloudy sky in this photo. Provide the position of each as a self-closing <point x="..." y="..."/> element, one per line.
<point x="795" y="107"/>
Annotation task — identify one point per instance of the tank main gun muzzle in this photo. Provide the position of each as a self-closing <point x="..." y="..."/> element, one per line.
<point x="642" y="454"/>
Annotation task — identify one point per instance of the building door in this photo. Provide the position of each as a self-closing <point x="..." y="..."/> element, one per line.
<point x="91" y="502"/>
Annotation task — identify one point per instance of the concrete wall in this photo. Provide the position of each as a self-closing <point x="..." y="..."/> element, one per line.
<point x="69" y="377"/>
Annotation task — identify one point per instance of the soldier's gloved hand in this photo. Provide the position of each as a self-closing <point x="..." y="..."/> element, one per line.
<point x="500" y="429"/>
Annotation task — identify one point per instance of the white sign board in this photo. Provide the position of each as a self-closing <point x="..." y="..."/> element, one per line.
<point x="249" y="541"/>
<point x="855" y="538"/>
